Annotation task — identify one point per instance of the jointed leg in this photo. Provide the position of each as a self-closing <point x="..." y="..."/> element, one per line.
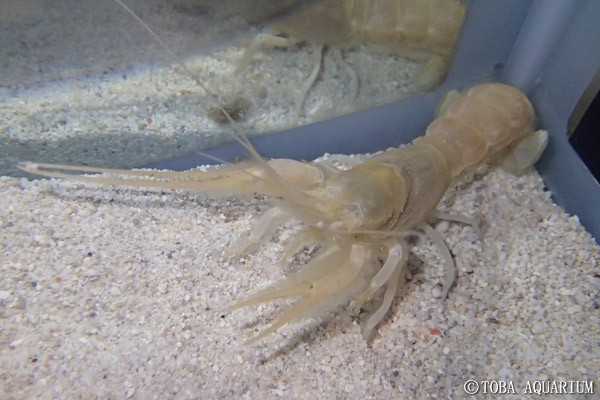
<point x="388" y="297"/>
<point x="390" y="274"/>
<point x="437" y="239"/>
<point x="262" y="40"/>
<point x="459" y="218"/>
<point x="396" y="257"/>
<point x="265" y="226"/>
<point x="310" y="80"/>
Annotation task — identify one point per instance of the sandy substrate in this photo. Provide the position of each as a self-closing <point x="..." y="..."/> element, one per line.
<point x="109" y="95"/>
<point x="108" y="292"/>
<point x="111" y="293"/>
<point x="150" y="114"/>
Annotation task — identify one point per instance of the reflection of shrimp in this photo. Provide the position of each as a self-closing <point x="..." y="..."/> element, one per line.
<point x="420" y="29"/>
<point x="363" y="214"/>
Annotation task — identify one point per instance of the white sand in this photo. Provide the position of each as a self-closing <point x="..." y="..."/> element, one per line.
<point x="152" y="114"/>
<point x="111" y="293"/>
<point x="108" y="292"/>
<point x="87" y="105"/>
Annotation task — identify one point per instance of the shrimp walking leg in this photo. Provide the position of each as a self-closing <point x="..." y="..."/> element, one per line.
<point x="259" y="41"/>
<point x="438" y="241"/>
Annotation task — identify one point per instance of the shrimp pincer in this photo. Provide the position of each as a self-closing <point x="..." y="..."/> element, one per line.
<point x="364" y="214"/>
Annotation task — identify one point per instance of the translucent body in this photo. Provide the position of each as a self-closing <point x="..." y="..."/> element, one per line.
<point x="422" y="25"/>
<point x="425" y="30"/>
<point x="362" y="215"/>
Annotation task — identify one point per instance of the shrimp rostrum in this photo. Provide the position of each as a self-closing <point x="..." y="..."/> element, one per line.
<point x="362" y="215"/>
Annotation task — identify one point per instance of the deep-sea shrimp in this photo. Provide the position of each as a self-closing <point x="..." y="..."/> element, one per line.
<point x="361" y="215"/>
<point x="424" y="30"/>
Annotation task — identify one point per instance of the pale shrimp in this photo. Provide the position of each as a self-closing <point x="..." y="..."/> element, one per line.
<point x="361" y="215"/>
<point x="423" y="30"/>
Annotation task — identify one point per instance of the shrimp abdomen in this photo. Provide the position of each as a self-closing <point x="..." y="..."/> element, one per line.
<point x="428" y="25"/>
<point x="483" y="121"/>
